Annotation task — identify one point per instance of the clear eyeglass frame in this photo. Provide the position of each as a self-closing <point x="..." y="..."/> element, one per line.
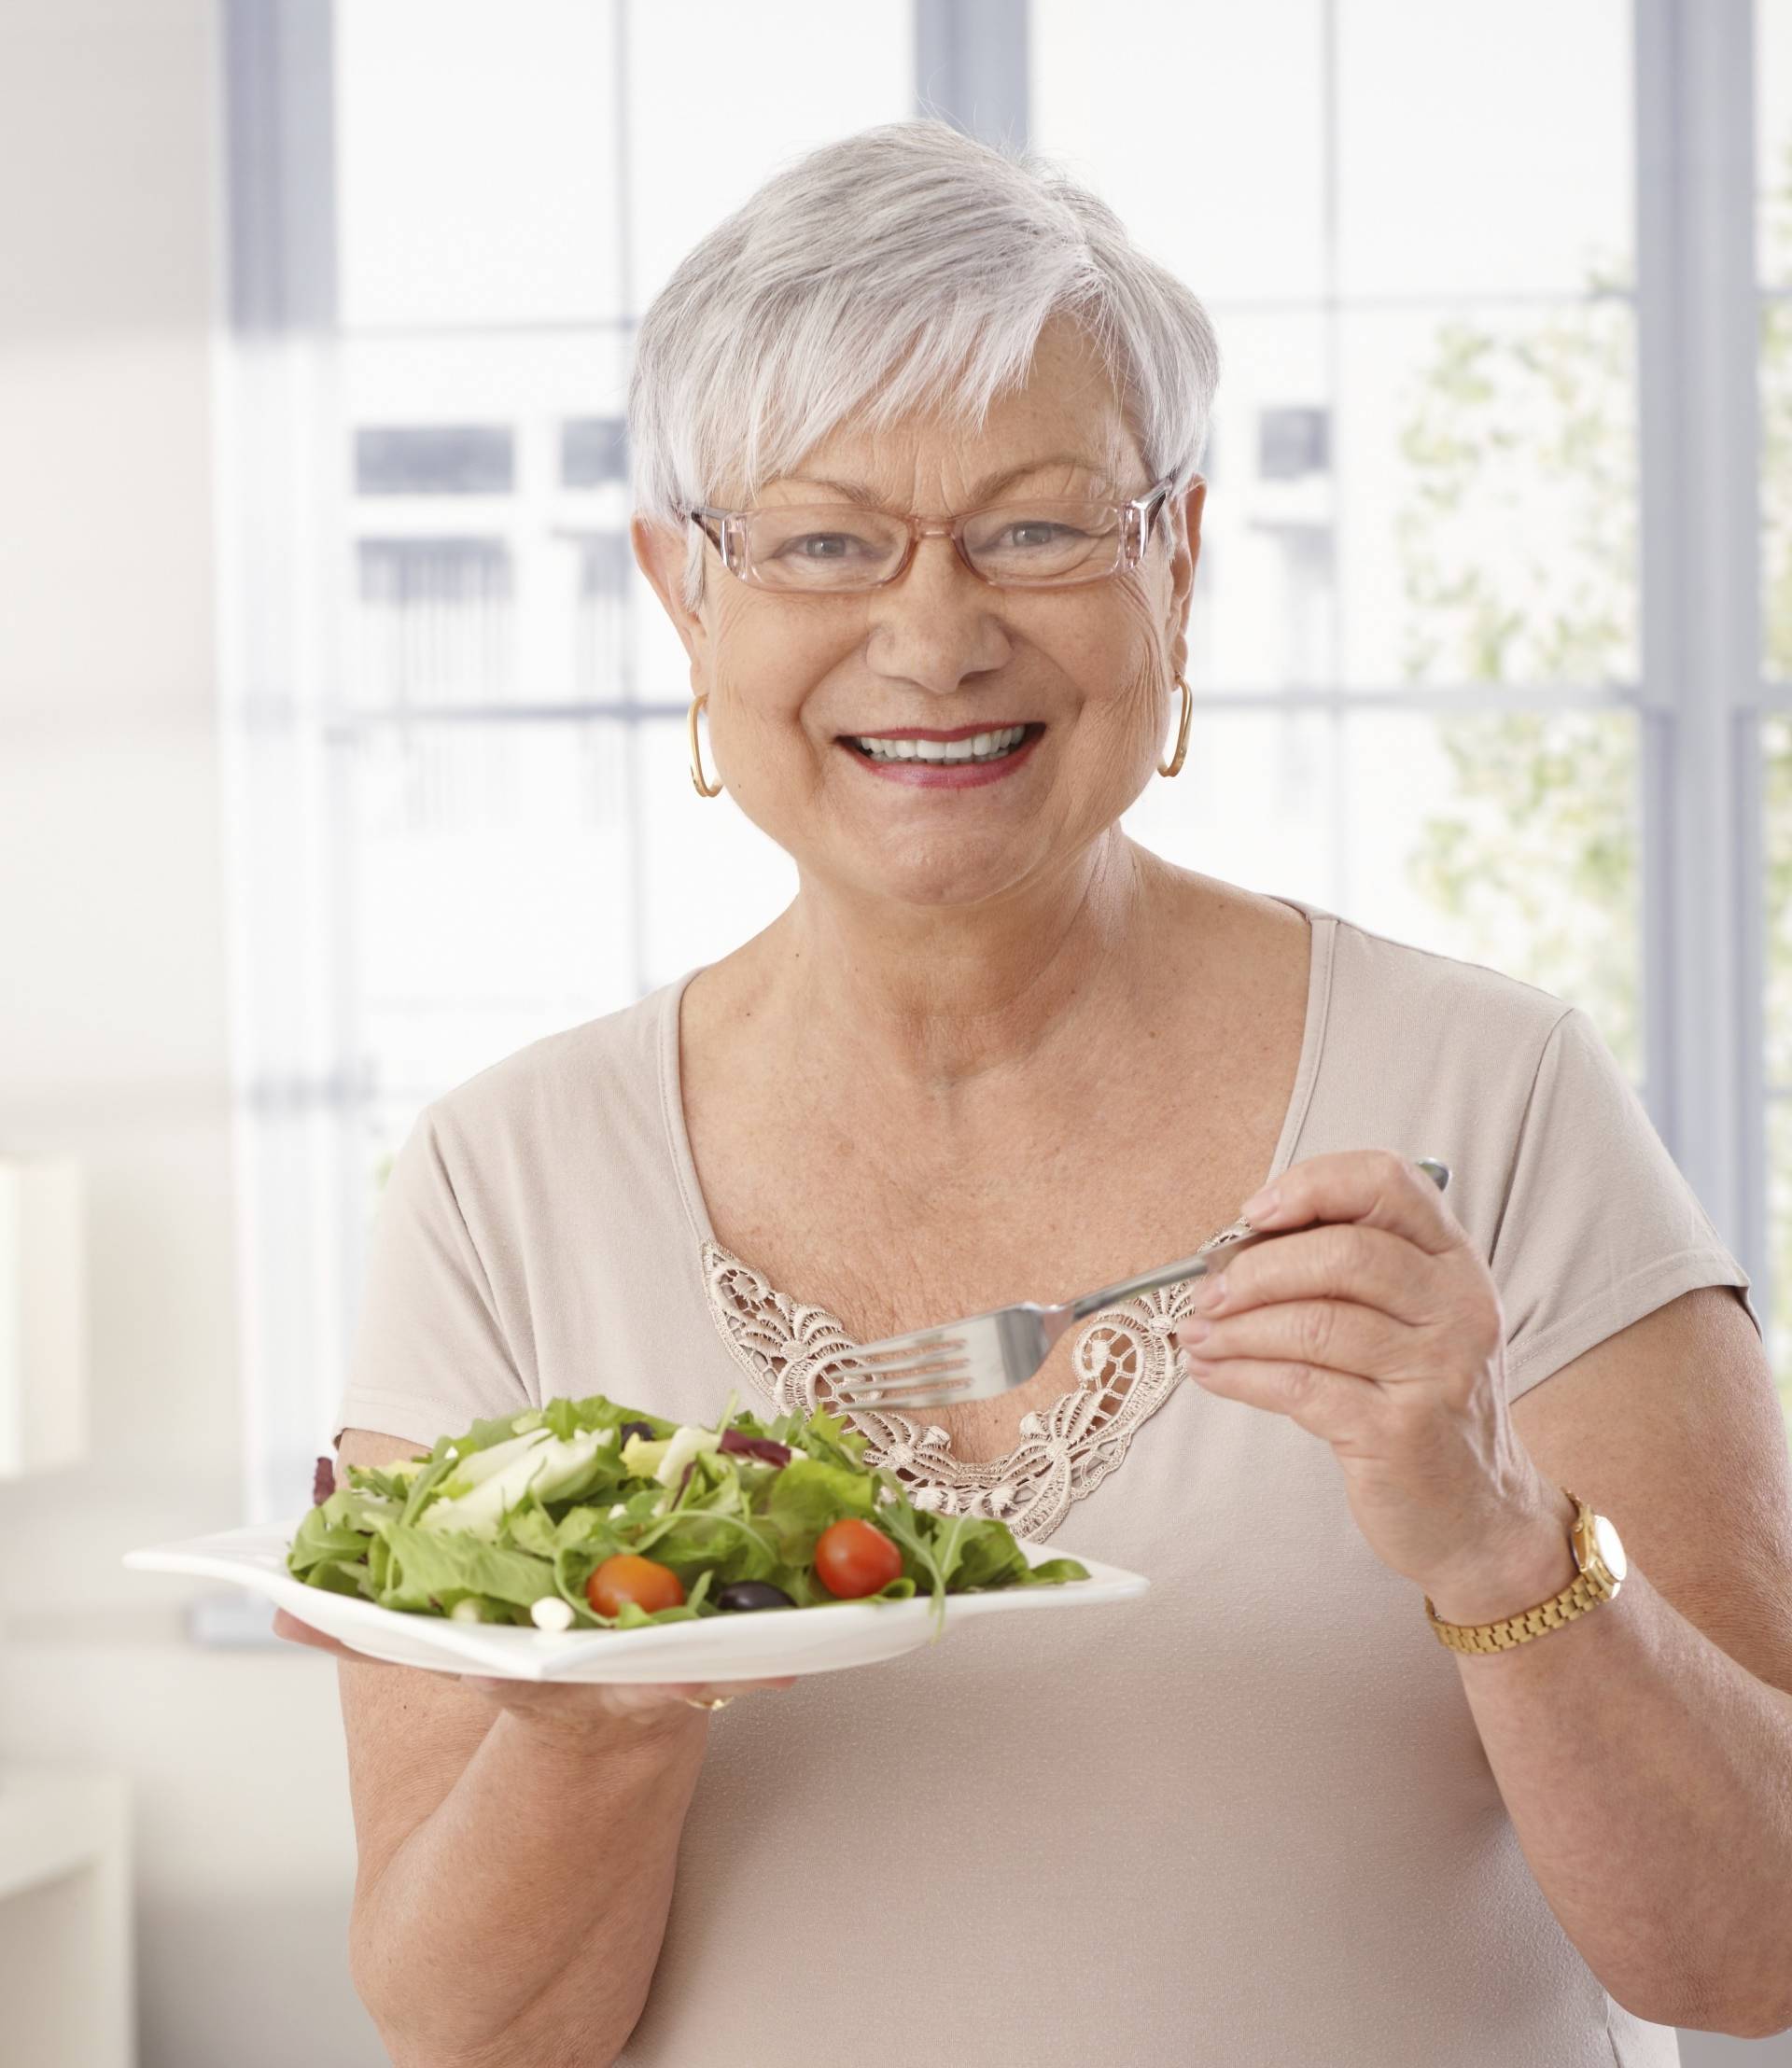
<point x="729" y="531"/>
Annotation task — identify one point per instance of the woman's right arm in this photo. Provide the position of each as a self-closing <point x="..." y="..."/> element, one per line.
<point x="518" y="1845"/>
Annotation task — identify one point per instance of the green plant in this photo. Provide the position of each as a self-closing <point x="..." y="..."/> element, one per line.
<point x="1538" y="843"/>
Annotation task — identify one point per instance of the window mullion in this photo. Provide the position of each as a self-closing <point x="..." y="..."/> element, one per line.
<point x="971" y="67"/>
<point x="1696" y="365"/>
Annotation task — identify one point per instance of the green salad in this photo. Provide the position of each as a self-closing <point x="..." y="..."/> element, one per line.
<point x="582" y="1514"/>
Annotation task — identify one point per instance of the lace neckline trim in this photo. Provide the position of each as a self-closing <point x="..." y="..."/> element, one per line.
<point x="1125" y="1364"/>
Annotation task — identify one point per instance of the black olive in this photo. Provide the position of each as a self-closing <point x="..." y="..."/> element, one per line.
<point x="753" y="1594"/>
<point x="643" y="1430"/>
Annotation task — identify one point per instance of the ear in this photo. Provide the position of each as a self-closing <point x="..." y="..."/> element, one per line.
<point x="660" y="553"/>
<point x="1186" y="554"/>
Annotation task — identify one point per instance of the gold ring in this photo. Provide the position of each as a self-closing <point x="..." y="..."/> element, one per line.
<point x="721" y="1702"/>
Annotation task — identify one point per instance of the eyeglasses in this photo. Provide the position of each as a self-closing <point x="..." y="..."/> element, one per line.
<point x="840" y="549"/>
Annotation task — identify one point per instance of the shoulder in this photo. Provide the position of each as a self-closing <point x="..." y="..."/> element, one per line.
<point x="1428" y="1011"/>
<point x="1431" y="1054"/>
<point x="563" y="1092"/>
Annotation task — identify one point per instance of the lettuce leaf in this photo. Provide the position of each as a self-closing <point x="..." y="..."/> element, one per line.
<point x="423" y="1566"/>
<point x="477" y="1520"/>
<point x="807" y="1496"/>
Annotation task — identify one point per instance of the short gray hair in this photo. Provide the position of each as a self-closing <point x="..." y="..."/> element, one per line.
<point x="905" y="267"/>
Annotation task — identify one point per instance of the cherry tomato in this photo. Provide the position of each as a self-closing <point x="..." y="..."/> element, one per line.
<point x="853" y="1558"/>
<point x="628" y="1577"/>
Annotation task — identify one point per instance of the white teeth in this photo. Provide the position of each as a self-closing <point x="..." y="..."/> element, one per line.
<point x="981" y="746"/>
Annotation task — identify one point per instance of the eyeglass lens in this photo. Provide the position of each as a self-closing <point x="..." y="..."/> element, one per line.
<point x="841" y="546"/>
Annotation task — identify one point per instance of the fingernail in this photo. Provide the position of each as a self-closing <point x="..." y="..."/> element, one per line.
<point x="1211" y="1293"/>
<point x="1193" y="1330"/>
<point x="1260" y="1203"/>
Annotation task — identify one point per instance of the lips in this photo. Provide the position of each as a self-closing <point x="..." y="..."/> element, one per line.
<point x="939" y="772"/>
<point x="933" y="733"/>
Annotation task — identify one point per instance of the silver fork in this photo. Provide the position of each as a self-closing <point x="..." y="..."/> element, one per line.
<point x="991" y="1352"/>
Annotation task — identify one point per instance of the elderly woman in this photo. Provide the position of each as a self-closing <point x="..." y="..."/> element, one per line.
<point x="916" y="434"/>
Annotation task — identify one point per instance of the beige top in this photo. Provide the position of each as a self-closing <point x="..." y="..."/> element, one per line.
<point x="1245" y="1819"/>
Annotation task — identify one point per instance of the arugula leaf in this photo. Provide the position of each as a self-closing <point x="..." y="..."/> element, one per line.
<point x="906" y="1524"/>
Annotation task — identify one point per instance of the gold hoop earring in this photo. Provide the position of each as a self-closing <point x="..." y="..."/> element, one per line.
<point x="1182" y="731"/>
<point x="696" y="756"/>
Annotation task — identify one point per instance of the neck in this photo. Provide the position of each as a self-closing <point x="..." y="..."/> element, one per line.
<point x="935" y="999"/>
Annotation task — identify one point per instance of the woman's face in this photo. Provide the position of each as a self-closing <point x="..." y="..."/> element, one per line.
<point x="792" y="681"/>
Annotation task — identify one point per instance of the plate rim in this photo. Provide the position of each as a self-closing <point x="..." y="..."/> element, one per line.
<point x="512" y="1651"/>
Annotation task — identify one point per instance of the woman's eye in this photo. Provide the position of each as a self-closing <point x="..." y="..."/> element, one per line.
<point x="1038" y="534"/>
<point x="824" y="545"/>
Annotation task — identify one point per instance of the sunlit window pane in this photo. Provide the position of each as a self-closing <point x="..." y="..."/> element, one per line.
<point x="1255" y="802"/>
<point x="1264" y="611"/>
<point x="722" y="95"/>
<point x="1487" y="462"/>
<point x="1508" y="839"/>
<point x="1357" y="162"/>
<point x="1203" y="124"/>
<point x="468" y="582"/>
<point x="477" y="162"/>
<point x="710" y="878"/>
<point x="485" y="889"/>
<point x="1483" y="154"/>
<point x="1443" y="493"/>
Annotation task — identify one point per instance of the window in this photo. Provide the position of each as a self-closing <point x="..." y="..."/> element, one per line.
<point x="1450" y="646"/>
<point x="1416" y="665"/>
<point x="458" y="768"/>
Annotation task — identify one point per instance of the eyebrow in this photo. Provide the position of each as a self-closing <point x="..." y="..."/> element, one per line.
<point x="857" y="492"/>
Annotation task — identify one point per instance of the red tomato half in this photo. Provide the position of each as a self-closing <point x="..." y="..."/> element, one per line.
<point x="628" y="1577"/>
<point x="852" y="1559"/>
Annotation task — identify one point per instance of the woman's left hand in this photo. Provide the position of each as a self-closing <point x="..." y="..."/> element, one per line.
<point x="1376" y="1326"/>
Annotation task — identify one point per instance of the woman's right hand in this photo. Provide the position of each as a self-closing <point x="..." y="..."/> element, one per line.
<point x="612" y="1702"/>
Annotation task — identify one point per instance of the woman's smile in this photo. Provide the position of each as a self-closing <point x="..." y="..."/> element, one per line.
<point x="877" y="754"/>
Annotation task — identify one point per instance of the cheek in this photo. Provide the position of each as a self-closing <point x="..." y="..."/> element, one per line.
<point x="1116" y="657"/>
<point x="768" y="667"/>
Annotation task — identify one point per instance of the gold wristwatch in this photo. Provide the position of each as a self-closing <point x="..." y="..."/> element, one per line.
<point x="1600" y="1556"/>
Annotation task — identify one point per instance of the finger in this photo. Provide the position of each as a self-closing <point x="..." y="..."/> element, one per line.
<point x="1336" y="1406"/>
<point x="708" y="1691"/>
<point x="1337" y="1334"/>
<point x="1371" y="1186"/>
<point x="295" y="1632"/>
<point x="1339" y="1260"/>
<point x="621" y="1698"/>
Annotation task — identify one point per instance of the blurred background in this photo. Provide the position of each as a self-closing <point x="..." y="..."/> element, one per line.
<point x="341" y="744"/>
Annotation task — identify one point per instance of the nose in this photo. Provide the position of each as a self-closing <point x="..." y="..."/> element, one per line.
<point x="937" y="623"/>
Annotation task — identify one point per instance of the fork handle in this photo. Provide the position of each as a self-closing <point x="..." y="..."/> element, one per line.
<point x="1200" y="1266"/>
<point x="1165" y="1274"/>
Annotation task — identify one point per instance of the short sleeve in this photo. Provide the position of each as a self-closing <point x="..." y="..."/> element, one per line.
<point x="1598" y="1227"/>
<point x="429" y="1355"/>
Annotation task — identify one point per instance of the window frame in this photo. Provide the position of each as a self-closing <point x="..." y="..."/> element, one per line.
<point x="299" y="1079"/>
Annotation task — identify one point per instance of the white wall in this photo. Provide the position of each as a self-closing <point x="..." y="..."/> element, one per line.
<point x="113" y="1036"/>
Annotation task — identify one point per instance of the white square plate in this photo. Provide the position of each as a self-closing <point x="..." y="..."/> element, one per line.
<point x="761" y="1645"/>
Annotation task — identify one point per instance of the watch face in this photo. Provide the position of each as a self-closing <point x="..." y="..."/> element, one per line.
<point x="1605" y="1542"/>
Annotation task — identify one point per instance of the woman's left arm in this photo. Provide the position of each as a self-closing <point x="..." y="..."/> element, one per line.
<point x="1644" y="1750"/>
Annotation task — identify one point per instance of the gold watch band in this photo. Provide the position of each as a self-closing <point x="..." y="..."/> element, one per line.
<point x="1589" y="1586"/>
